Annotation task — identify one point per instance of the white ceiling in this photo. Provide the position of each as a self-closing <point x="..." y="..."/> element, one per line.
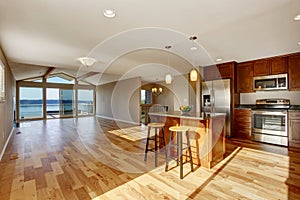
<point x="55" y="33"/>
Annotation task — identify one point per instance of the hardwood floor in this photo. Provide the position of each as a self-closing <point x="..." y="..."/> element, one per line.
<point x="82" y="159"/>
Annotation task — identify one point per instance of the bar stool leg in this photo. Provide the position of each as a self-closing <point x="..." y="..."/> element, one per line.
<point x="164" y="142"/>
<point x="177" y="148"/>
<point x="147" y="144"/>
<point x="155" y="146"/>
<point x="168" y="151"/>
<point x="190" y="150"/>
<point x="181" y="156"/>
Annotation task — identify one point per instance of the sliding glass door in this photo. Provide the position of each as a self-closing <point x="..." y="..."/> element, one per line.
<point x="60" y="103"/>
<point x="67" y="103"/>
<point x="85" y="101"/>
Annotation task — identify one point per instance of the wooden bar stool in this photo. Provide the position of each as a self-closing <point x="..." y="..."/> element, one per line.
<point x="157" y="127"/>
<point x="178" y="130"/>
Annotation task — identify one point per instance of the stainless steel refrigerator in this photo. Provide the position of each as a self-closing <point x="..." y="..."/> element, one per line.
<point x="216" y="98"/>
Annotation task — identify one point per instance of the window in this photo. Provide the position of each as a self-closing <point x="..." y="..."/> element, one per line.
<point x="2" y="82"/>
<point x="31" y="102"/>
<point x="85" y="102"/>
<point x="146" y="97"/>
<point x="61" y="78"/>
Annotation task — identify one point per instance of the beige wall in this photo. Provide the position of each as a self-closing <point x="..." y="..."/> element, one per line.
<point x="179" y="92"/>
<point x="6" y="107"/>
<point x="119" y="100"/>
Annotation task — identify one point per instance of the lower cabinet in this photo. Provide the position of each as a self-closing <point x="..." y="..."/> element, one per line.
<point x="242" y="123"/>
<point x="294" y="128"/>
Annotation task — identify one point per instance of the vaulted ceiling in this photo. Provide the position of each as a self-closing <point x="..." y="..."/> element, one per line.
<point x="55" y="33"/>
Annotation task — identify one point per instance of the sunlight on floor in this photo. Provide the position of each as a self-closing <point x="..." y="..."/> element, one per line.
<point x="132" y="133"/>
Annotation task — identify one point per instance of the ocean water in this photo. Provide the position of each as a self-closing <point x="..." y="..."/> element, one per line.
<point x="36" y="110"/>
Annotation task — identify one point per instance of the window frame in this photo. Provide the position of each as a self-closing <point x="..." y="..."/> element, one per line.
<point x="2" y="81"/>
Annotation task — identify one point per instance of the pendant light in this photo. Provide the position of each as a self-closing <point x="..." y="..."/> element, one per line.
<point x="193" y="72"/>
<point x="193" y="75"/>
<point x="168" y="77"/>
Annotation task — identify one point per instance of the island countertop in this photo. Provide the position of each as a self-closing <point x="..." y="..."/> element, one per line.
<point x="192" y="115"/>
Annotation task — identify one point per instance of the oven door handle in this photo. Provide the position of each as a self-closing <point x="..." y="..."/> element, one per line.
<point x="269" y="113"/>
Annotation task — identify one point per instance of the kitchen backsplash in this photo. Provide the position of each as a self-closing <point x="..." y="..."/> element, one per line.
<point x="250" y="98"/>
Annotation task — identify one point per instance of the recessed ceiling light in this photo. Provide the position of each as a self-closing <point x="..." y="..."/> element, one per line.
<point x="219" y="59"/>
<point x="109" y="13"/>
<point x="297" y="17"/>
<point x="194" y="48"/>
<point x="299" y="43"/>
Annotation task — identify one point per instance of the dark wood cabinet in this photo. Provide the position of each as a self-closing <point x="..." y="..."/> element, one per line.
<point x="219" y="71"/>
<point x="294" y="71"/>
<point x="245" y="77"/>
<point x="242" y="123"/>
<point x="279" y="65"/>
<point x="261" y="67"/>
<point x="226" y="70"/>
<point x="294" y="129"/>
<point x="270" y="66"/>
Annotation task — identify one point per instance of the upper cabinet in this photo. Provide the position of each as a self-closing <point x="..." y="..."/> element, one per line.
<point x="244" y="73"/>
<point x="279" y="65"/>
<point x="219" y="71"/>
<point x="270" y="66"/>
<point x="294" y="71"/>
<point x="261" y="67"/>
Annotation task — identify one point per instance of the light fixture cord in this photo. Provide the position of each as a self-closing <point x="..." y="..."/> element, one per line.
<point x="168" y="48"/>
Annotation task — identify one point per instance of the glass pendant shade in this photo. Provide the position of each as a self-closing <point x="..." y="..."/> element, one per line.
<point x="168" y="79"/>
<point x="193" y="75"/>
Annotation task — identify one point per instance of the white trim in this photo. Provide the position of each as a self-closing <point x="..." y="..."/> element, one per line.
<point x="6" y="143"/>
<point x="105" y="117"/>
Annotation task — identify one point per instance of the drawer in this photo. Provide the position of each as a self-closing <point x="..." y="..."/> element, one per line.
<point x="294" y="115"/>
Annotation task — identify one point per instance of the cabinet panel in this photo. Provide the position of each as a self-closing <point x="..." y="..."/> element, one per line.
<point x="294" y="72"/>
<point x="245" y="77"/>
<point x="294" y="129"/>
<point x="261" y="67"/>
<point x="226" y="70"/>
<point x="242" y="123"/>
<point x="279" y="65"/>
<point x="215" y="72"/>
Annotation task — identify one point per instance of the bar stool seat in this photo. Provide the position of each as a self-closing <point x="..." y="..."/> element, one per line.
<point x="178" y="130"/>
<point x="157" y="127"/>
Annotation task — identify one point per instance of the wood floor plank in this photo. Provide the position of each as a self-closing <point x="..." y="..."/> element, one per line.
<point x="30" y="190"/>
<point x="84" y="158"/>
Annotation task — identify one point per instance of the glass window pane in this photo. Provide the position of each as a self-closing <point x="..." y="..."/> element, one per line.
<point x="52" y="103"/>
<point x="31" y="102"/>
<point x="60" y="103"/>
<point x="61" y="78"/>
<point x="85" y="102"/>
<point x="2" y="81"/>
<point x="146" y="97"/>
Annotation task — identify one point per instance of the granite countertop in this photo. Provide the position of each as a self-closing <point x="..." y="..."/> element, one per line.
<point x="244" y="106"/>
<point x="295" y="107"/>
<point x="192" y="115"/>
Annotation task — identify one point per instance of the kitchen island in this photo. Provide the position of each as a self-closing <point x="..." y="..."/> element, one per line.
<point x="206" y="130"/>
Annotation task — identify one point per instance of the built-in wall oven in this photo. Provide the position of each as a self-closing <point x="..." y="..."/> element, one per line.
<point x="269" y="121"/>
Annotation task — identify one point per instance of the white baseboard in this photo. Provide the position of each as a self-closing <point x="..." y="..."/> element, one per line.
<point x="6" y="143"/>
<point x="120" y="120"/>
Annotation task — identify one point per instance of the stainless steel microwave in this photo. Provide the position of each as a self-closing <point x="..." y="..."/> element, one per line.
<point x="271" y="82"/>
